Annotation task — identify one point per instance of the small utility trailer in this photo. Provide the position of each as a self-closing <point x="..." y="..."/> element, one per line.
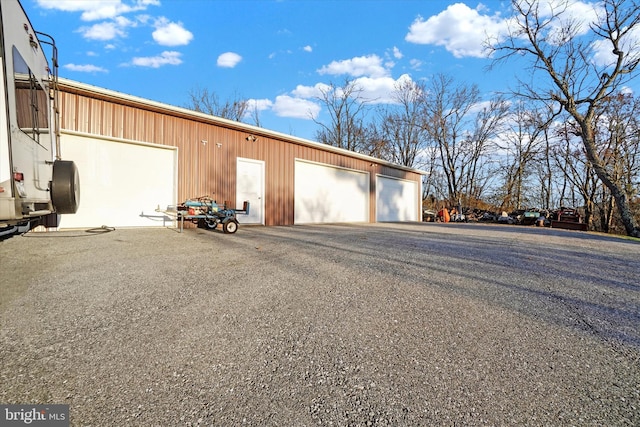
<point x="207" y="213"/>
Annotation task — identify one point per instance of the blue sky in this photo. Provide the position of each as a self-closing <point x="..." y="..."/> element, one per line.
<point x="276" y="53"/>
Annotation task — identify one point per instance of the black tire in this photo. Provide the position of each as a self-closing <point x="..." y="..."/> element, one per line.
<point x="210" y="223"/>
<point x="230" y="226"/>
<point x="65" y="187"/>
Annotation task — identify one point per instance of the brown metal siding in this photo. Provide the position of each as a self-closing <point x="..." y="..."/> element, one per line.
<point x="208" y="151"/>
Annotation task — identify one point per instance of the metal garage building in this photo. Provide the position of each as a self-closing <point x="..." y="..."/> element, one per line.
<point x="135" y="155"/>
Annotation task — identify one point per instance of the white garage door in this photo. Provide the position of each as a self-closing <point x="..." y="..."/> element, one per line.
<point x="121" y="182"/>
<point x="396" y="199"/>
<point x="325" y="194"/>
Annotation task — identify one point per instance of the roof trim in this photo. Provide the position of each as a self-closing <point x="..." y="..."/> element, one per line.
<point x="102" y="92"/>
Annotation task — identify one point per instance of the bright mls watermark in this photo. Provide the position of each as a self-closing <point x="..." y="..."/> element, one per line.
<point x="34" y="415"/>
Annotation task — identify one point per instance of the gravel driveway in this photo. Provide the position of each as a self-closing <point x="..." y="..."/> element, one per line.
<point x="381" y="324"/>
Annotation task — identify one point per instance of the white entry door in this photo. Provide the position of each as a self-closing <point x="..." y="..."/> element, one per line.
<point x="250" y="186"/>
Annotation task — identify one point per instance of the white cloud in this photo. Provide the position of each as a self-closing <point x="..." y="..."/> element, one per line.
<point x="165" y="58"/>
<point x="460" y="29"/>
<point x="415" y="64"/>
<point x="144" y="19"/>
<point x="229" y="60"/>
<point x="379" y="90"/>
<point x="123" y="22"/>
<point x="396" y="53"/>
<point x="307" y="48"/>
<point x="376" y="90"/>
<point x="171" y="33"/>
<point x="114" y="24"/>
<point x="107" y="30"/>
<point x="308" y="92"/>
<point x="106" y="11"/>
<point x="259" y="104"/>
<point x="370" y="65"/>
<point x="578" y="13"/>
<point x="580" y="16"/>
<point x="93" y="10"/>
<point x="603" y="51"/>
<point x="85" y="68"/>
<point x="602" y="54"/>
<point x="626" y="90"/>
<point x="103" y="31"/>
<point x="463" y="31"/>
<point x="286" y="106"/>
<point x="479" y="106"/>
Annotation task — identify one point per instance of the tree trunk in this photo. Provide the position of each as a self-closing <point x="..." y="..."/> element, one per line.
<point x="620" y="197"/>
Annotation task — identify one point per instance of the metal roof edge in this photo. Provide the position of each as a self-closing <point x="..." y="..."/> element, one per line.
<point x="229" y="123"/>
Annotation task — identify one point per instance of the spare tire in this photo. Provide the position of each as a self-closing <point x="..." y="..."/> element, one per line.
<point x="65" y="187"/>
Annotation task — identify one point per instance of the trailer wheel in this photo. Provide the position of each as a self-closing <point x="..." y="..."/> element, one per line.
<point x="211" y="223"/>
<point x="230" y="226"/>
<point x="65" y="187"/>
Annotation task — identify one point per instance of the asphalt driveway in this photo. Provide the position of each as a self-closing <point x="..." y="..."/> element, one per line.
<point x="382" y="324"/>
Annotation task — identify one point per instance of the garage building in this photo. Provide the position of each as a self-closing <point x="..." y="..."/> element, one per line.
<point x="135" y="155"/>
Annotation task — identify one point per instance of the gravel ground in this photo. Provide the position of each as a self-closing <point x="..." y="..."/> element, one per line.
<point x="381" y="324"/>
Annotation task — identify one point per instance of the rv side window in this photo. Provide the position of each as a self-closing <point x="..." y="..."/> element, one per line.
<point x="31" y="102"/>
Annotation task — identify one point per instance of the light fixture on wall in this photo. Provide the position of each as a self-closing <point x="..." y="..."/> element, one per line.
<point x="204" y="142"/>
<point x="218" y="145"/>
<point x="252" y="138"/>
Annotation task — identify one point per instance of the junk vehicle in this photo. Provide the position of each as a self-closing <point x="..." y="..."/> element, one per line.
<point x="36" y="185"/>
<point x="567" y="218"/>
<point x="529" y="217"/>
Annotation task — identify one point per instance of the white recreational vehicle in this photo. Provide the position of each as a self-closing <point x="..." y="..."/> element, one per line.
<point x="36" y="185"/>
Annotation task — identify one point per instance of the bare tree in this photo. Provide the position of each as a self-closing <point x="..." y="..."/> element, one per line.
<point x="375" y="143"/>
<point x="433" y="183"/>
<point x="488" y="124"/>
<point x="204" y="101"/>
<point x="565" y="71"/>
<point x="446" y="118"/>
<point x="254" y="113"/>
<point x="579" y="176"/>
<point x="545" y="169"/>
<point x="619" y="146"/>
<point x="461" y="132"/>
<point x="347" y="109"/>
<point x="400" y="127"/>
<point x="521" y="145"/>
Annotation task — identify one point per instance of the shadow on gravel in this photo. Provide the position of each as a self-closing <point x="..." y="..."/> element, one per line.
<point x="575" y="288"/>
<point x="559" y="232"/>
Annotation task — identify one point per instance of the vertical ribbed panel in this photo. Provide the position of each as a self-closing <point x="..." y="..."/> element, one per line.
<point x="207" y="151"/>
